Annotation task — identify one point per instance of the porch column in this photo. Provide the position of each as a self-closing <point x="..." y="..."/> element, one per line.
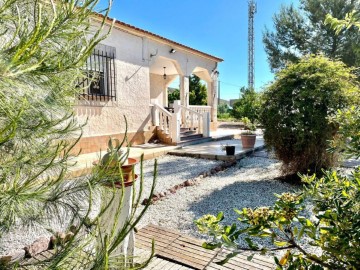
<point x="214" y="97"/>
<point x="184" y="90"/>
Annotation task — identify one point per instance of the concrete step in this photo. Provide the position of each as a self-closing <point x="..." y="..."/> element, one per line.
<point x="187" y="132"/>
<point x="195" y="141"/>
<point x="190" y="137"/>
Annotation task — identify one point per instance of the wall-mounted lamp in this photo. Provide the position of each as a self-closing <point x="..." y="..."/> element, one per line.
<point x="172" y="51"/>
<point x="164" y="76"/>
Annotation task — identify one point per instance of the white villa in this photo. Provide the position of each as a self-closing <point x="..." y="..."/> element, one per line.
<point x="132" y="70"/>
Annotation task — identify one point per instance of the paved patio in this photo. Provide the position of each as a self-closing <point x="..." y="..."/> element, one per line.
<point x="213" y="149"/>
<point x="208" y="150"/>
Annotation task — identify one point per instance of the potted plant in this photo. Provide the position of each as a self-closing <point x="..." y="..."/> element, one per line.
<point x="116" y="165"/>
<point x="117" y="172"/>
<point x="230" y="149"/>
<point x="248" y="137"/>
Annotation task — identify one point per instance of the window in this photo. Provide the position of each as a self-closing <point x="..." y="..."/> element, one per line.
<point x="99" y="82"/>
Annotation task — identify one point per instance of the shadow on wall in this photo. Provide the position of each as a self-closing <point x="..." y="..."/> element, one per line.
<point x="91" y="107"/>
<point x="139" y="137"/>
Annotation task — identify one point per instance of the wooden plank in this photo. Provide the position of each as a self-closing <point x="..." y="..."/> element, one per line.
<point x="160" y="263"/>
<point x="189" y="254"/>
<point x="193" y="252"/>
<point x="214" y="266"/>
<point x="153" y="263"/>
<point x="182" y="259"/>
<point x="160" y="230"/>
<point x="192" y="240"/>
<point x="240" y="262"/>
<point x="257" y="261"/>
<point x="171" y="231"/>
<point x="157" y="235"/>
<point x="196" y="248"/>
<point x="146" y="240"/>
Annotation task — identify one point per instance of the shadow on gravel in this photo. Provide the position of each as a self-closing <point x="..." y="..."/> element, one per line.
<point x="239" y="195"/>
<point x="180" y="168"/>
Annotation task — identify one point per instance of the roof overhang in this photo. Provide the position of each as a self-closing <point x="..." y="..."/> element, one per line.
<point x="143" y="33"/>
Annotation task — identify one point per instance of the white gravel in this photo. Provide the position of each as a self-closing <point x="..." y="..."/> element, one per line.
<point x="250" y="183"/>
<point x="173" y="170"/>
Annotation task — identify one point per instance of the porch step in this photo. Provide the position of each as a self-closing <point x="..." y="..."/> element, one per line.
<point x="194" y="141"/>
<point x="185" y="130"/>
<point x="191" y="136"/>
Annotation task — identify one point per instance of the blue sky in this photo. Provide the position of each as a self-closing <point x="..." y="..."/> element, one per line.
<point x="217" y="27"/>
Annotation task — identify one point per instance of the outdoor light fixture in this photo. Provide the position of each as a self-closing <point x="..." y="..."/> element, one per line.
<point x="172" y="51"/>
<point x="164" y="76"/>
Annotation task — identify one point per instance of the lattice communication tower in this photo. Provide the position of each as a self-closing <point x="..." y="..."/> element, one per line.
<point x="251" y="44"/>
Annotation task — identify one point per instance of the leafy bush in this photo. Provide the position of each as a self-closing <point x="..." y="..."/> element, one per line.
<point x="248" y="105"/>
<point x="175" y="95"/>
<point x="296" y="110"/>
<point x="197" y="91"/>
<point x="335" y="232"/>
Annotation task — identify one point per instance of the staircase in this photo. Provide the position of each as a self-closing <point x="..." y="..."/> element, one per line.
<point x="189" y="137"/>
<point x="182" y="127"/>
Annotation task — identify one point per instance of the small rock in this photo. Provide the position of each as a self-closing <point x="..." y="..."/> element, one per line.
<point x="188" y="183"/>
<point x="145" y="202"/>
<point x="73" y="229"/>
<point x="12" y="258"/>
<point x="172" y="190"/>
<point x="53" y="242"/>
<point x="213" y="171"/>
<point x="37" y="247"/>
<point x="68" y="236"/>
<point x="5" y="260"/>
<point x="218" y="168"/>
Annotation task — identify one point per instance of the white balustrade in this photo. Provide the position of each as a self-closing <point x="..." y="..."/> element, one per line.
<point x="200" y="109"/>
<point x="196" y="118"/>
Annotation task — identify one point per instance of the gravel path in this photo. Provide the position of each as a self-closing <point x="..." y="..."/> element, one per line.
<point x="250" y="183"/>
<point x="173" y="170"/>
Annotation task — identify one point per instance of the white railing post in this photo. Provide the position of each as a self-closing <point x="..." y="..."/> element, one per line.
<point x="176" y="120"/>
<point x="155" y="113"/>
<point x="206" y="124"/>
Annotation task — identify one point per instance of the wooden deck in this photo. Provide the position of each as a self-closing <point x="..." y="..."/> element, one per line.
<point x="174" y="251"/>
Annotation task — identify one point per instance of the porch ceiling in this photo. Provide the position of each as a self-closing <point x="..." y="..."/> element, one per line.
<point x="158" y="67"/>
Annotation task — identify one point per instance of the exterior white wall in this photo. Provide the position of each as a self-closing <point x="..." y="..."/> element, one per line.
<point x="132" y="92"/>
<point x="135" y="86"/>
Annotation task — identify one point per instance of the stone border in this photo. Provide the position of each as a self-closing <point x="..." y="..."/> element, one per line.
<point x="38" y="246"/>
<point x="190" y="182"/>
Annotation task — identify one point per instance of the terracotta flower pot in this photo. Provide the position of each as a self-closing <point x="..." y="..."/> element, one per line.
<point x="126" y="169"/>
<point x="248" y="140"/>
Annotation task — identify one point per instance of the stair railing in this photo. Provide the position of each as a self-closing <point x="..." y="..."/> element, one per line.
<point x="185" y="117"/>
<point x="161" y="118"/>
<point x="200" y="122"/>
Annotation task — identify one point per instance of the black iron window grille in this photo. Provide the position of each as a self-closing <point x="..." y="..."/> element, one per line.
<point x="99" y="82"/>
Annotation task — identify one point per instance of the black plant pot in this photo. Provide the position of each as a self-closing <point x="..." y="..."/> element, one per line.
<point x="230" y="150"/>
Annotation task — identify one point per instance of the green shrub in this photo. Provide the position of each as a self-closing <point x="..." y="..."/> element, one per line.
<point x="248" y="105"/>
<point x="296" y="110"/>
<point x="335" y="233"/>
<point x="174" y="96"/>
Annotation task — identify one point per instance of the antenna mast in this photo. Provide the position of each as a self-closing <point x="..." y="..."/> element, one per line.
<point x="251" y="44"/>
